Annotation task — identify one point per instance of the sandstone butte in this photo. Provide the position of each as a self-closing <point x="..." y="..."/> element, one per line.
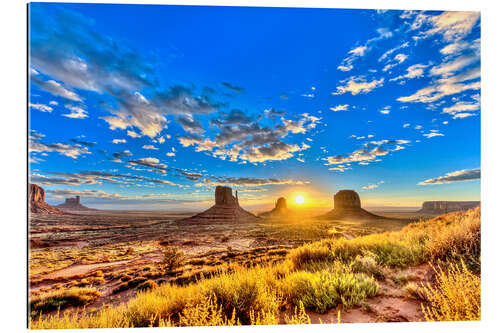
<point x="226" y="209"/>
<point x="280" y="209"/>
<point x="36" y="201"/>
<point x="347" y="205"/>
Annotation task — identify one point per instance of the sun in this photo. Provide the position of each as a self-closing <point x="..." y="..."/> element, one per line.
<point x="299" y="200"/>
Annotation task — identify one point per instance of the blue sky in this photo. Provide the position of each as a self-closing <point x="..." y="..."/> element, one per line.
<point x="150" y="107"/>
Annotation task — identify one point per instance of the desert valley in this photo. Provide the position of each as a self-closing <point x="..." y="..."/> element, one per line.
<point x="82" y="259"/>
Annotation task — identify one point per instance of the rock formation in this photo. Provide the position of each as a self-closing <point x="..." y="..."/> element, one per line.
<point x="279" y="210"/>
<point x="226" y="209"/>
<point x="442" y="207"/>
<point x="73" y="204"/>
<point x="36" y="201"/>
<point x="347" y="205"/>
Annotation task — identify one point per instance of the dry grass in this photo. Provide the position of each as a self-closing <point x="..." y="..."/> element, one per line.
<point x="456" y="296"/>
<point x="317" y="276"/>
<point x="60" y="299"/>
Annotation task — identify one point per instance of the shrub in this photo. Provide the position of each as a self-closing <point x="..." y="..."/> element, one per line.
<point x="146" y="285"/>
<point x="369" y="266"/>
<point x="456" y="297"/>
<point x="59" y="299"/>
<point x="298" y="318"/>
<point x="172" y="258"/>
<point x="321" y="291"/>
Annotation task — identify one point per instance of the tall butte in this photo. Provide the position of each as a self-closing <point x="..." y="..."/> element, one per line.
<point x="226" y="209"/>
<point x="347" y="205"/>
<point x="36" y="201"/>
<point x="279" y="210"/>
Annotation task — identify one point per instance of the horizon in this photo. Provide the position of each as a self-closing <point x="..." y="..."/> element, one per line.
<point x="153" y="115"/>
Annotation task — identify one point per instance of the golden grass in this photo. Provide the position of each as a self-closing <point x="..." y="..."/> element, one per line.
<point x="456" y="296"/>
<point x="317" y="276"/>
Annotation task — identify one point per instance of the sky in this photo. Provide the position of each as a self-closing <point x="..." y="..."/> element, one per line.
<point x="152" y="106"/>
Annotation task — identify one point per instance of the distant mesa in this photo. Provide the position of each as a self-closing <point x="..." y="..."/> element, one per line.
<point x="347" y="205"/>
<point x="73" y="204"/>
<point x="226" y="209"/>
<point x="36" y="201"/>
<point x="443" y="207"/>
<point x="279" y="210"/>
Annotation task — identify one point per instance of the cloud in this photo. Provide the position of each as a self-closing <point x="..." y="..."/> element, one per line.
<point x="445" y="87"/>
<point x="391" y="51"/>
<point x="84" y="143"/>
<point x="117" y="141"/>
<point x="231" y="87"/>
<point x="362" y="50"/>
<point x="251" y="182"/>
<point x="406" y="125"/>
<point x="412" y="72"/>
<point x="386" y="110"/>
<point x="340" y="108"/>
<point x="459" y="46"/>
<point x="121" y="154"/>
<point x="463" y="115"/>
<point x="462" y="106"/>
<point x="149" y="147"/>
<point x="73" y="151"/>
<point x="451" y="25"/>
<point x="242" y="138"/>
<point x="41" y="107"/>
<point x="456" y="176"/>
<point x="55" y="88"/>
<point x="356" y="85"/>
<point x="65" y="46"/>
<point x="449" y="68"/>
<point x="370" y="152"/>
<point x="190" y="125"/>
<point x="373" y="186"/>
<point x="133" y="134"/>
<point x="64" y="193"/>
<point x="432" y="134"/>
<point x="76" y="112"/>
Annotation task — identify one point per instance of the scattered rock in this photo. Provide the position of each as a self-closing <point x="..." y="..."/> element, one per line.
<point x="347" y="205"/>
<point x="443" y="207"/>
<point x="36" y="201"/>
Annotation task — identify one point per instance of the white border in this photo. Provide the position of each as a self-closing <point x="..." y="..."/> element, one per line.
<point x="13" y="160"/>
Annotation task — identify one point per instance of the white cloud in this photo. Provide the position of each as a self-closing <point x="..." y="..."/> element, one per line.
<point x="406" y="125"/>
<point x="133" y="134"/>
<point x="412" y="72"/>
<point x="456" y="176"/>
<point x="386" y="110"/>
<point x="432" y="134"/>
<point x="373" y="186"/>
<point x="356" y="85"/>
<point x="342" y="107"/>
<point x="55" y="88"/>
<point x="41" y="107"/>
<point x="149" y="147"/>
<point x="463" y="115"/>
<point x="116" y="141"/>
<point x="76" y="112"/>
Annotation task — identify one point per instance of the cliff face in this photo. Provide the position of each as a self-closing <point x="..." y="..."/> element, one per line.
<point x="36" y="201"/>
<point x="441" y="207"/>
<point x="36" y="193"/>
<point x="347" y="205"/>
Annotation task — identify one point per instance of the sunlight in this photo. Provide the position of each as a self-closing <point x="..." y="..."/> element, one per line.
<point x="299" y="200"/>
